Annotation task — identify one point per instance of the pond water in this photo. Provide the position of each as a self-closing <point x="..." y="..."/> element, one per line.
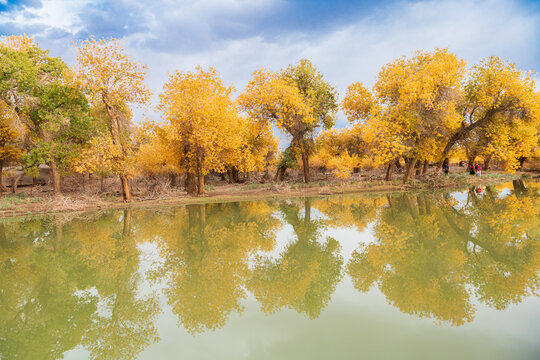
<point x="383" y="276"/>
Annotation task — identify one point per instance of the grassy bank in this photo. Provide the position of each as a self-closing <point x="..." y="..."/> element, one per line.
<point x="23" y="204"/>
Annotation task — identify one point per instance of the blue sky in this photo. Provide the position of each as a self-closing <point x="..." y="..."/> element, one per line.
<point x="347" y="40"/>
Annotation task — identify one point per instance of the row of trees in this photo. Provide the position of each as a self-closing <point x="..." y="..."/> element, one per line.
<point x="422" y="109"/>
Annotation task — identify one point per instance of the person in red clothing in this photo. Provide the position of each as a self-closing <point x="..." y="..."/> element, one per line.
<point x="478" y="170"/>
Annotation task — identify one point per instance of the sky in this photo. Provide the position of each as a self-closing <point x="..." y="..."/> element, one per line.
<point x="348" y="41"/>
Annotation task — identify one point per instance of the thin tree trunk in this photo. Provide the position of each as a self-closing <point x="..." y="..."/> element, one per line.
<point x="409" y="170"/>
<point x="418" y="168"/>
<point x="305" y="164"/>
<point x="126" y="191"/>
<point x="102" y="183"/>
<point x="425" y="167"/>
<point x="389" y="171"/>
<point x="2" y="187"/>
<point x="114" y="124"/>
<point x="55" y="175"/>
<point x="15" y="183"/>
<point x="398" y="164"/>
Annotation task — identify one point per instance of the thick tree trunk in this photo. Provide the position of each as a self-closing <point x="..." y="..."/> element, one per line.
<point x="425" y="167"/>
<point x="172" y="179"/>
<point x="389" y="171"/>
<point x="200" y="184"/>
<point x="409" y="170"/>
<point x="126" y="191"/>
<point x="280" y="174"/>
<point x="305" y="165"/>
<point x="487" y="160"/>
<point x="55" y="176"/>
<point x="235" y="175"/>
<point x="191" y="184"/>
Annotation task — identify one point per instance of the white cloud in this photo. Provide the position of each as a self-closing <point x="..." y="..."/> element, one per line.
<point x="345" y="53"/>
<point x="356" y="52"/>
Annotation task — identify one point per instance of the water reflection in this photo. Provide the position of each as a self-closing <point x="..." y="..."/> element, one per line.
<point x="69" y="282"/>
<point x="306" y="273"/>
<point x="432" y="253"/>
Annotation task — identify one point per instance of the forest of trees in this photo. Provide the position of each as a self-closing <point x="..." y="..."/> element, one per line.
<point x="422" y="110"/>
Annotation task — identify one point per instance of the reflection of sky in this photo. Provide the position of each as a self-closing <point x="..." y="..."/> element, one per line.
<point x="347" y="40"/>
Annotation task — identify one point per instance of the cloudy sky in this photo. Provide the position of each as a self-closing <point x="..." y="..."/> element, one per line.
<point x="347" y="40"/>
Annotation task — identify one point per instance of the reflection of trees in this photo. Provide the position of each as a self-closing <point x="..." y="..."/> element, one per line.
<point x="432" y="254"/>
<point x="349" y="211"/>
<point x="125" y="325"/>
<point x="41" y="317"/>
<point x="307" y="271"/>
<point x="206" y="250"/>
<point x="47" y="265"/>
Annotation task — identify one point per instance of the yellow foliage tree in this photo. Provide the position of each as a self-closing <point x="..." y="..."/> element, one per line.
<point x="9" y="139"/>
<point x="202" y="127"/>
<point x="412" y="108"/>
<point x="116" y="81"/>
<point x="297" y="100"/>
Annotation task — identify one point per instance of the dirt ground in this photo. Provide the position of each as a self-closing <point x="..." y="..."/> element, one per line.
<point x="83" y="194"/>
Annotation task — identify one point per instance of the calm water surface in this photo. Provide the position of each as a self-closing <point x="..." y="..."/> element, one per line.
<point x="391" y="276"/>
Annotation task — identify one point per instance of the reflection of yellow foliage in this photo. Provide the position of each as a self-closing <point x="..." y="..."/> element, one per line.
<point x="427" y="255"/>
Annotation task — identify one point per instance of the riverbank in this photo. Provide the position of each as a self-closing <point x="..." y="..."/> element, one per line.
<point x="35" y="203"/>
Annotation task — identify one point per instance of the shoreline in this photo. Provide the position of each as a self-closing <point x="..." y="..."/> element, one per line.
<point x="81" y="204"/>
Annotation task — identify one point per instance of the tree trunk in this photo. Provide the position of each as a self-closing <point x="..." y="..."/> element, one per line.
<point x="235" y="175"/>
<point x="522" y="160"/>
<point x="126" y="191"/>
<point x="114" y="126"/>
<point x="487" y="160"/>
<point x="425" y="167"/>
<point x="55" y="176"/>
<point x="398" y="164"/>
<point x="172" y="179"/>
<point x="389" y="171"/>
<point x="200" y="184"/>
<point x="280" y="174"/>
<point x="305" y="165"/>
<point x="2" y="187"/>
<point x="191" y="184"/>
<point x="418" y="167"/>
<point x="409" y="170"/>
<point x="102" y="183"/>
<point x="15" y="183"/>
<point x="470" y="162"/>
